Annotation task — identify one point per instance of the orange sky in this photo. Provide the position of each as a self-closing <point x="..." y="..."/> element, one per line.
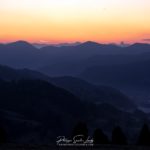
<point x="57" y="21"/>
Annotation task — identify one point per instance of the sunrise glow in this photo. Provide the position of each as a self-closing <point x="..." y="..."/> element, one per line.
<point x="56" y="21"/>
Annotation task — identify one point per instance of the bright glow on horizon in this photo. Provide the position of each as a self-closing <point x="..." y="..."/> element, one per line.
<point x="57" y="21"/>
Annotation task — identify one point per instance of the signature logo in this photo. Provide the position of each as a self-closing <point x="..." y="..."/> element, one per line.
<point x="78" y="140"/>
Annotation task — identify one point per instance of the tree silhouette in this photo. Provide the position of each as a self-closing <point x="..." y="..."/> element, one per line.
<point x="118" y="137"/>
<point x="80" y="129"/>
<point x="99" y="137"/>
<point x="144" y="136"/>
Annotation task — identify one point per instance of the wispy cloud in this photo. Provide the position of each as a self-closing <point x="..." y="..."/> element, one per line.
<point x="43" y="41"/>
<point x="147" y="40"/>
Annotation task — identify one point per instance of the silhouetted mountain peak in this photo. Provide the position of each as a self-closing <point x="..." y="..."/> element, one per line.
<point x="90" y="43"/>
<point x="139" y="45"/>
<point x="22" y="44"/>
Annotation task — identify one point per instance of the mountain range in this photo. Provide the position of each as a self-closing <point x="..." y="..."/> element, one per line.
<point x="69" y="60"/>
<point x="85" y="91"/>
<point x="45" y="91"/>
<point x="45" y="107"/>
<point x="109" y="61"/>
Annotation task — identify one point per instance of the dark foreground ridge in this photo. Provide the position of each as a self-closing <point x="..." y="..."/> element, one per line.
<point x="52" y="147"/>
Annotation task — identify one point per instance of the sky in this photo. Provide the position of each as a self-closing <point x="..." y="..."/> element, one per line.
<point x="60" y="21"/>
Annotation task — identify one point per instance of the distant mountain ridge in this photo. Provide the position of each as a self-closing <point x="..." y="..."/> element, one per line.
<point x="21" y="44"/>
<point x="9" y="74"/>
<point x="83" y="90"/>
<point x="136" y="73"/>
<point x="74" y="60"/>
<point x="64" y="60"/>
<point x="96" y="94"/>
<point x="133" y="79"/>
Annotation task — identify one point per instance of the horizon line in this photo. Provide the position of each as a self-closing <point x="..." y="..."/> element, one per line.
<point x="76" y="42"/>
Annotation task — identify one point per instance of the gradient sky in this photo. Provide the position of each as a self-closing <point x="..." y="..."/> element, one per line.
<point x="57" y="21"/>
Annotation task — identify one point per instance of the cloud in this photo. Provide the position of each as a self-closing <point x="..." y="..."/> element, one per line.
<point x="43" y="41"/>
<point x="147" y="40"/>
